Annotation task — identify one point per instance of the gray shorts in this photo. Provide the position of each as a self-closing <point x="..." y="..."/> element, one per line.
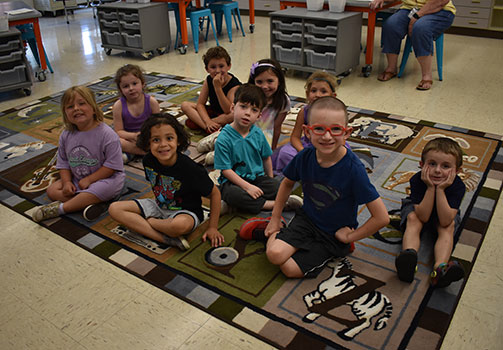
<point x="150" y="209"/>
<point x="430" y="226"/>
<point x="315" y="247"/>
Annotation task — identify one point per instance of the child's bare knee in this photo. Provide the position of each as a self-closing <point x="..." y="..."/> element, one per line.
<point x="412" y="218"/>
<point x="275" y="254"/>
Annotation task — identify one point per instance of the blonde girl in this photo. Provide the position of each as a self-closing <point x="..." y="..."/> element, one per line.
<point x="89" y="160"/>
<point x="318" y="84"/>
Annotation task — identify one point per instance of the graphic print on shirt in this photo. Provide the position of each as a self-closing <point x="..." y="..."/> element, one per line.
<point x="164" y="188"/>
<point x="321" y="195"/>
<point x="81" y="161"/>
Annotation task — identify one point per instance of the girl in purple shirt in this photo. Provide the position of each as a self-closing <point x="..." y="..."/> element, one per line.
<point x="89" y="160"/>
<point x="132" y="109"/>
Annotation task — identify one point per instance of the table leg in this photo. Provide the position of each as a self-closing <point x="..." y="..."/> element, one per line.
<point x="252" y="14"/>
<point x="182" y="5"/>
<point x="371" y="25"/>
<point x="38" y="37"/>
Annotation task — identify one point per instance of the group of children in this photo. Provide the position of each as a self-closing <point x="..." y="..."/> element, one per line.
<point x="244" y="123"/>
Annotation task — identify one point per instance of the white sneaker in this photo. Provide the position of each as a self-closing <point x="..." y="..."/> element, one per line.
<point x="207" y="143"/>
<point x="210" y="158"/>
<point x="225" y="208"/>
<point x="293" y="202"/>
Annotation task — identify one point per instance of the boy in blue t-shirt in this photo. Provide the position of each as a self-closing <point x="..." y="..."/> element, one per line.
<point x="243" y="155"/>
<point x="335" y="183"/>
<point x="436" y="193"/>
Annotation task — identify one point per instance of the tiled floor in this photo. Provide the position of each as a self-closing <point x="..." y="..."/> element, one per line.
<point x="55" y="295"/>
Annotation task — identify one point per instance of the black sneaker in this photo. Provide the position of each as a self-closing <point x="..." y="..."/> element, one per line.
<point x="94" y="211"/>
<point x="177" y="242"/>
<point x="406" y="265"/>
<point x="445" y="274"/>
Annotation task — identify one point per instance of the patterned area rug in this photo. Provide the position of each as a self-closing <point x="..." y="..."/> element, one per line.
<point x="236" y="283"/>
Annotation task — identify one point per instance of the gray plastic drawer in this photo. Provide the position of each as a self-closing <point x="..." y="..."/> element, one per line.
<point x="294" y="37"/>
<point x="287" y="53"/>
<point x="320" y="40"/>
<point x="285" y="24"/>
<point x="112" y="38"/>
<point x="129" y="16"/>
<point x="321" y="29"/>
<point x="108" y="14"/>
<point x="13" y="76"/>
<point x="10" y="45"/>
<point x="131" y="25"/>
<point x="132" y="40"/>
<point x="12" y="56"/>
<point x="320" y="59"/>
<point x="109" y="24"/>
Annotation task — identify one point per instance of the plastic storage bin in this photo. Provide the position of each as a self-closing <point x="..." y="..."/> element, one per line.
<point x="112" y="38"/>
<point x="130" y="25"/>
<point x="132" y="17"/>
<point x="109" y="24"/>
<point x="13" y="76"/>
<point x="318" y="58"/>
<point x="284" y="24"/>
<point x="108" y="15"/>
<point x="293" y="37"/>
<point x="132" y="40"/>
<point x="287" y="53"/>
<point x="321" y="40"/>
<point x="9" y="45"/>
<point x="315" y="28"/>
<point x="12" y="56"/>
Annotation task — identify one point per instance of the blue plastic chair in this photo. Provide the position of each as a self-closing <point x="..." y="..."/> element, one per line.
<point x="229" y="10"/>
<point x="439" y="47"/>
<point x="197" y="18"/>
<point x="28" y="35"/>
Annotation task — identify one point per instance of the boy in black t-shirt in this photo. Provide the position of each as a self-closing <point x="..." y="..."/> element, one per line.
<point x="436" y="194"/>
<point x="178" y="183"/>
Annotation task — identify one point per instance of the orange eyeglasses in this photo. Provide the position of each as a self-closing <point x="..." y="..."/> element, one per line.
<point x="320" y="129"/>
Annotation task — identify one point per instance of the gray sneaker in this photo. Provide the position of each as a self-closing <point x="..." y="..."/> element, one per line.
<point x="207" y="143"/>
<point x="177" y="242"/>
<point x="293" y="202"/>
<point x="45" y="212"/>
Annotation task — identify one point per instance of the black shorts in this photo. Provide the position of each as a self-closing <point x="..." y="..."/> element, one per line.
<point x="315" y="247"/>
<point x="430" y="226"/>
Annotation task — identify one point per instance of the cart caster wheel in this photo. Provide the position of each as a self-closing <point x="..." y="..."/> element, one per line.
<point x="161" y="50"/>
<point x="41" y="76"/>
<point x="147" y="55"/>
<point x="367" y="70"/>
<point x="182" y="49"/>
<point x="252" y="28"/>
<point x="27" y="92"/>
<point x="108" y="52"/>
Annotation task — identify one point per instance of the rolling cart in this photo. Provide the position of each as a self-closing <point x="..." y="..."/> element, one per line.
<point x="15" y="70"/>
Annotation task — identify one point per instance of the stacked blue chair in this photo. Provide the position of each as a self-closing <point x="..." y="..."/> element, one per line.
<point x="229" y="10"/>
<point x="28" y="35"/>
<point x="439" y="47"/>
<point x="197" y="18"/>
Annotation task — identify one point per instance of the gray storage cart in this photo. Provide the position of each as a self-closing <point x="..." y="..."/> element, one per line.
<point x="142" y="28"/>
<point x="316" y="40"/>
<point x="15" y="70"/>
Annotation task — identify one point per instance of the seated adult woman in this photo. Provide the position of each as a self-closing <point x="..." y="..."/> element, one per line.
<point x="423" y="21"/>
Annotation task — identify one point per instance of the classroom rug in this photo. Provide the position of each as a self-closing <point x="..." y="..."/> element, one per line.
<point x="355" y="303"/>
